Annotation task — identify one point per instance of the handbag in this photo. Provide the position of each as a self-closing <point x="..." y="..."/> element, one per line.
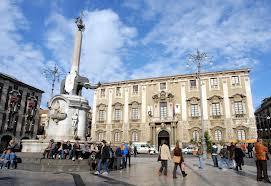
<point x="159" y="158"/>
<point x="176" y="159"/>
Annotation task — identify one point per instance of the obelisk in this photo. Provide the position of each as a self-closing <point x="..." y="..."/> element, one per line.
<point x="70" y="79"/>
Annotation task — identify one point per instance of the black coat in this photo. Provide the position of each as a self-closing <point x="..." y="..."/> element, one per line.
<point x="105" y="154"/>
<point x="239" y="155"/>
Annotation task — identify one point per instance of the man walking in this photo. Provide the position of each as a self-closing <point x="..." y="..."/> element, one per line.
<point x="214" y="154"/>
<point x="261" y="161"/>
<point x="165" y="156"/>
<point x="250" y="150"/>
<point x="105" y="156"/>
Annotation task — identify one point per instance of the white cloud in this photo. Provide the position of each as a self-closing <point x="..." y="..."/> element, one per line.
<point x="19" y="58"/>
<point x="232" y="32"/>
<point x="106" y="40"/>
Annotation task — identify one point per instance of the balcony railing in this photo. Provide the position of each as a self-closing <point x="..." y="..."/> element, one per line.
<point x="163" y="119"/>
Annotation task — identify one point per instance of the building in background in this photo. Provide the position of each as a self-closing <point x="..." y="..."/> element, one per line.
<point x="19" y="105"/>
<point x="263" y="120"/>
<point x="168" y="108"/>
<point x="43" y="121"/>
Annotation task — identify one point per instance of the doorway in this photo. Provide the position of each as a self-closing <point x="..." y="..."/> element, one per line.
<point x="163" y="136"/>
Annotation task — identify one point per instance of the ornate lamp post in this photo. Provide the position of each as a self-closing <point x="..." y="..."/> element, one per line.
<point x="198" y="60"/>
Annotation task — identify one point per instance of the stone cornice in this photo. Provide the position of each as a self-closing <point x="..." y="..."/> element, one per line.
<point x="174" y="77"/>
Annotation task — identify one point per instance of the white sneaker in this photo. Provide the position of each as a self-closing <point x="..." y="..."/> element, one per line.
<point x="96" y="173"/>
<point x="73" y="159"/>
<point x="80" y="158"/>
<point x="105" y="173"/>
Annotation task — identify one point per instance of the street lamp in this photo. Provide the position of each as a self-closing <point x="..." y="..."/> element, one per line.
<point x="198" y="60"/>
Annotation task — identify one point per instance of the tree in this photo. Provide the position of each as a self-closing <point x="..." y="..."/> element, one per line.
<point x="208" y="141"/>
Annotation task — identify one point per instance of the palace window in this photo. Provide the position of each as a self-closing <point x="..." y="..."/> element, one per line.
<point x="163" y="86"/>
<point x="235" y="81"/>
<point x="216" y="109"/>
<point x="100" y="136"/>
<point x="118" y="91"/>
<point x="102" y="93"/>
<point x="241" y="134"/>
<point x="163" y="110"/>
<point x="214" y="83"/>
<point x="135" y="89"/>
<point x="135" y="115"/>
<point x="238" y="107"/>
<point x="218" y="135"/>
<point x="134" y="137"/>
<point x="195" y="135"/>
<point x="193" y="84"/>
<point x="194" y="110"/>
<point x="117" y="137"/>
<point x="101" y="115"/>
<point x="117" y="114"/>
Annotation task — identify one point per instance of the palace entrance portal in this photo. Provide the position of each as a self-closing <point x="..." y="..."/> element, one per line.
<point x="163" y="136"/>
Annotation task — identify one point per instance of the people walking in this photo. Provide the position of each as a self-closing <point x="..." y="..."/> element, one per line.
<point x="231" y="156"/>
<point x="178" y="160"/>
<point x="239" y="157"/>
<point x="135" y="150"/>
<point x="214" y="154"/>
<point x="200" y="155"/>
<point x="223" y="163"/>
<point x="250" y="150"/>
<point x="165" y="156"/>
<point x="261" y="161"/>
<point x="105" y="156"/>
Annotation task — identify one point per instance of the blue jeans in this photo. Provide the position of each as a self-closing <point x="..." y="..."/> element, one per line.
<point x="101" y="163"/>
<point x="214" y="157"/>
<point x="201" y="162"/>
<point x="124" y="161"/>
<point x="223" y="163"/>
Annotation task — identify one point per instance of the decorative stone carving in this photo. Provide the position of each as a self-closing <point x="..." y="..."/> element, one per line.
<point x="57" y="114"/>
<point x="163" y="96"/>
<point x="75" y="124"/>
<point x="30" y="113"/>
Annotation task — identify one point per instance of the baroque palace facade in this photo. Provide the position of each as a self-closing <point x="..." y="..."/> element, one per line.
<point x="168" y="108"/>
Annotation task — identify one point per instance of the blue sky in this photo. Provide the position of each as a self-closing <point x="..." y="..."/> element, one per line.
<point x="135" y="38"/>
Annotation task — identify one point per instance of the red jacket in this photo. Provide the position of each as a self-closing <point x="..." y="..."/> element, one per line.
<point x="261" y="151"/>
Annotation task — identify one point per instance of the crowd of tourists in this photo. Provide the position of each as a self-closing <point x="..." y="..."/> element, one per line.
<point x="102" y="156"/>
<point x="231" y="156"/>
<point x="8" y="159"/>
<point x="66" y="150"/>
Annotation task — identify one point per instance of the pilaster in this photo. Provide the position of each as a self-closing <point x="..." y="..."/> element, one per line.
<point x="109" y="116"/>
<point x="94" y="113"/>
<point x="126" y="114"/>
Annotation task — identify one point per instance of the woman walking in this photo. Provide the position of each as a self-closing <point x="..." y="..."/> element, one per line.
<point x="239" y="157"/>
<point x="178" y="160"/>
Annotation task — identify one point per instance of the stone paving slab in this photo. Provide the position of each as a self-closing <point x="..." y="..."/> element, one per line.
<point x="143" y="172"/>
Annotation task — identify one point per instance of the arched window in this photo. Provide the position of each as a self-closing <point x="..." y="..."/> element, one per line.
<point x="100" y="136"/>
<point x="195" y="135"/>
<point x="218" y="135"/>
<point x="117" y="137"/>
<point x="241" y="134"/>
<point x="134" y="136"/>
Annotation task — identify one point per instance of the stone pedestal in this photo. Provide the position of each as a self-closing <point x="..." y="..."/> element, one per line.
<point x="68" y="117"/>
